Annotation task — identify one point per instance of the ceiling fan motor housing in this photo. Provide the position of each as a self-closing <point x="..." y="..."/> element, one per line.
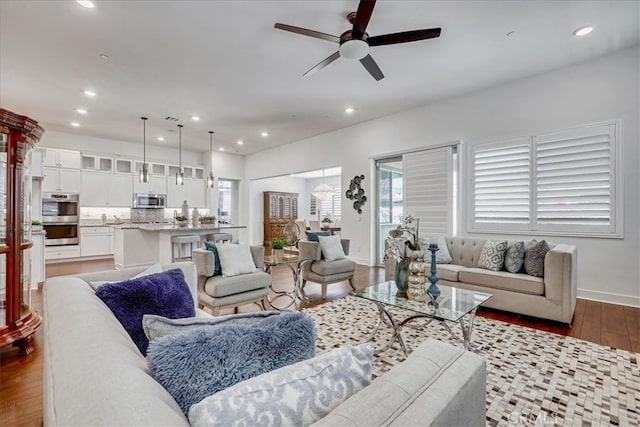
<point x="351" y="48"/>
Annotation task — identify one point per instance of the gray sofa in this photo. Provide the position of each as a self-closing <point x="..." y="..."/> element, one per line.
<point x="550" y="297"/>
<point x="95" y="375"/>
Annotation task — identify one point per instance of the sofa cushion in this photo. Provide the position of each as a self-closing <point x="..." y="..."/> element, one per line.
<point x="492" y="255"/>
<point x="312" y="236"/>
<point x="448" y="271"/>
<point x="220" y="286"/>
<point x="534" y="259"/>
<point x="166" y="294"/>
<point x="464" y="250"/>
<point x="158" y="326"/>
<point x="217" y="268"/>
<point x="235" y="259"/>
<point x="521" y="283"/>
<point x="295" y="395"/>
<point x="203" y="361"/>
<point x="327" y="268"/>
<point x="514" y="257"/>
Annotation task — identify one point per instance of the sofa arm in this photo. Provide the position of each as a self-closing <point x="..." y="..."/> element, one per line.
<point x="203" y="259"/>
<point x="438" y="384"/>
<point x="257" y="253"/>
<point x="309" y="250"/>
<point x="560" y="278"/>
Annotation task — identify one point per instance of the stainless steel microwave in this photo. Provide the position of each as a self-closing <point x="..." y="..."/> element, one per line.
<point x="144" y="200"/>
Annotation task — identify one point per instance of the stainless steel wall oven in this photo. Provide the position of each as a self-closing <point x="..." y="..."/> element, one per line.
<point x="60" y="213"/>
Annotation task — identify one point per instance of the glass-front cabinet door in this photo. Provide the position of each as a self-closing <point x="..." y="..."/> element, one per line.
<point x="18" y="321"/>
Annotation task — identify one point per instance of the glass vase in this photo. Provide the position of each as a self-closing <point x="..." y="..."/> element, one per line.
<point x="402" y="277"/>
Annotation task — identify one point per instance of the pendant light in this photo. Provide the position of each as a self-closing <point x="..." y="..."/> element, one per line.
<point x="210" y="177"/>
<point x="144" y="172"/>
<point x="323" y="191"/>
<point x="180" y="174"/>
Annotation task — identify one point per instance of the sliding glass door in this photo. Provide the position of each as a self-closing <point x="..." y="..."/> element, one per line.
<point x="389" y="190"/>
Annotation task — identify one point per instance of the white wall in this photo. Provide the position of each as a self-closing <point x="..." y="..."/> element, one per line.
<point x="601" y="89"/>
<point x="285" y="184"/>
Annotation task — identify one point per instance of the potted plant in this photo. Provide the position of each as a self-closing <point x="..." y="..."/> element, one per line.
<point x="278" y="247"/>
<point x="326" y="221"/>
<point x="182" y="220"/>
<point x="36" y="224"/>
<point x="206" y="219"/>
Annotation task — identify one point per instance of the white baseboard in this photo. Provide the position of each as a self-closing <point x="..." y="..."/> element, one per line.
<point x="361" y="261"/>
<point x="608" y="297"/>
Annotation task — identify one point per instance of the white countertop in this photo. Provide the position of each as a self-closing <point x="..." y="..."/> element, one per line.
<point x="202" y="227"/>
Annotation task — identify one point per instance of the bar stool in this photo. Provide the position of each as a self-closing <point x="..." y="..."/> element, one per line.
<point x="182" y="242"/>
<point x="220" y="237"/>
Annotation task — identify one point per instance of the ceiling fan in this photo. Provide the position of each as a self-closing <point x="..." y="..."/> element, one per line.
<point x="355" y="43"/>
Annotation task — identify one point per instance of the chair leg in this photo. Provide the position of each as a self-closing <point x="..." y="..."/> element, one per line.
<point x="304" y="282"/>
<point x="265" y="303"/>
<point x="351" y="283"/>
<point x="215" y="311"/>
<point x="324" y="291"/>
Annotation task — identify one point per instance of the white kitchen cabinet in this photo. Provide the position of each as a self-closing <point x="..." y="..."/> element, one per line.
<point x="61" y="180"/>
<point x="96" y="241"/>
<point x="60" y="158"/>
<point x="124" y="166"/>
<point x="37" y="163"/>
<point x="156" y="185"/>
<point x="37" y="259"/>
<point x="101" y="189"/>
<point x="97" y="163"/>
<point x="61" y="252"/>
<point x="195" y="192"/>
<point x="176" y="194"/>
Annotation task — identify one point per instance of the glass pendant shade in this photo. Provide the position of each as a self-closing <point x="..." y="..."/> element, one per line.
<point x="210" y="177"/>
<point x="322" y="192"/>
<point x="179" y="178"/>
<point x="210" y="180"/>
<point x="180" y="175"/>
<point x="144" y="172"/>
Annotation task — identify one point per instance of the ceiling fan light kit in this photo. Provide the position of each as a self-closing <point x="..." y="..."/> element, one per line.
<point x="355" y="43"/>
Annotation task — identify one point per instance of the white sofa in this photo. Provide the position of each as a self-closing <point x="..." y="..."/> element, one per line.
<point x="550" y="297"/>
<point x="95" y="375"/>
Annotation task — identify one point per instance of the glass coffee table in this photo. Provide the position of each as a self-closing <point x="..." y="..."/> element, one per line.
<point x="453" y="305"/>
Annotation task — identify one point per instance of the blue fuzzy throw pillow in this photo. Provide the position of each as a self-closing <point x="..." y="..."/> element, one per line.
<point x="165" y="294"/>
<point x="200" y="362"/>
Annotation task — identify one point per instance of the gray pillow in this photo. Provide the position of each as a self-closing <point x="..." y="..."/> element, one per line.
<point x="534" y="259"/>
<point x="296" y="395"/>
<point x="158" y="326"/>
<point x="514" y="257"/>
<point x="202" y="361"/>
<point x="492" y="255"/>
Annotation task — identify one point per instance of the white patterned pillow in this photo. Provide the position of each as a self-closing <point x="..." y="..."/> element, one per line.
<point x="492" y="255"/>
<point x="442" y="254"/>
<point x="298" y="394"/>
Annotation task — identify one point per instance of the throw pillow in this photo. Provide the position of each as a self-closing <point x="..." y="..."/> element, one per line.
<point x="442" y="254"/>
<point x="158" y="326"/>
<point x="492" y="255"/>
<point x="235" y="259"/>
<point x="331" y="248"/>
<point x="514" y="257"/>
<point x="534" y="259"/>
<point x="217" y="269"/>
<point x="203" y="361"/>
<point x="312" y="236"/>
<point x="166" y="294"/>
<point x="295" y="395"/>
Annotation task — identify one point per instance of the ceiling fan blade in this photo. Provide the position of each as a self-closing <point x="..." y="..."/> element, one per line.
<point x="322" y="64"/>
<point x="307" y="32"/>
<point x="406" y="36"/>
<point x="372" y="67"/>
<point x="363" y="14"/>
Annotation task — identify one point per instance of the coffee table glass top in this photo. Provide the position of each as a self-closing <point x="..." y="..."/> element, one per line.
<point x="453" y="303"/>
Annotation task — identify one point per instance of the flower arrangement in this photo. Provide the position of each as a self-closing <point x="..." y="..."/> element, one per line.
<point x="326" y="220"/>
<point x="206" y="219"/>
<point x="404" y="237"/>
<point x="278" y="243"/>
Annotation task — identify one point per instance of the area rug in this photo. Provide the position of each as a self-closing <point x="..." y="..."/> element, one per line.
<point x="533" y="377"/>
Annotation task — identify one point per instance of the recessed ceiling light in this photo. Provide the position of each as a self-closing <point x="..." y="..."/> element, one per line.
<point x="221" y="149"/>
<point x="75" y="124"/>
<point x="161" y="138"/>
<point x="86" y="3"/>
<point x="349" y="110"/>
<point x="240" y="142"/>
<point x="81" y="111"/>
<point x="265" y="134"/>
<point x="104" y="56"/>
<point x="90" y="93"/>
<point x="195" y="118"/>
<point x="582" y="31"/>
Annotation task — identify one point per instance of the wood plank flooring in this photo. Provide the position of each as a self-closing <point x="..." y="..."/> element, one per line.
<point x="21" y="378"/>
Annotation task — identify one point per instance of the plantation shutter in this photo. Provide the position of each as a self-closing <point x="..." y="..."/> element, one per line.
<point x="574" y="171"/>
<point x="501" y="181"/>
<point x="428" y="190"/>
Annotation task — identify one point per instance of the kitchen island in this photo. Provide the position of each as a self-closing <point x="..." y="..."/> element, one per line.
<point x="137" y="245"/>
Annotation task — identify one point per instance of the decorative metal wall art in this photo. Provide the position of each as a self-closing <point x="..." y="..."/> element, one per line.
<point x="356" y="193"/>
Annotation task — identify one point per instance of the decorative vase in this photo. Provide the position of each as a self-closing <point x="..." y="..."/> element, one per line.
<point x="416" y="290"/>
<point x="434" y="290"/>
<point x="278" y="254"/>
<point x="402" y="277"/>
<point x="181" y="223"/>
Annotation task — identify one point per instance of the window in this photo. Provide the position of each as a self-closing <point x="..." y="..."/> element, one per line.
<point x="391" y="201"/>
<point x="331" y="207"/>
<point x="227" y="200"/>
<point x="558" y="183"/>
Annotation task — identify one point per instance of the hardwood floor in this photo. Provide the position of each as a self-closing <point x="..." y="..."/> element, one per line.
<point x="21" y="378"/>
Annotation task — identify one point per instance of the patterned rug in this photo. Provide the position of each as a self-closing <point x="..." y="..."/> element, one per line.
<point x="533" y="377"/>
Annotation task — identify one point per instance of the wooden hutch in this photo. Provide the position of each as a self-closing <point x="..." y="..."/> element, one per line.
<point x="18" y="321"/>
<point x="279" y="210"/>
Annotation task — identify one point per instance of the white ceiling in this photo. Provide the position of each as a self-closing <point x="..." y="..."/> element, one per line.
<point x="224" y="61"/>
